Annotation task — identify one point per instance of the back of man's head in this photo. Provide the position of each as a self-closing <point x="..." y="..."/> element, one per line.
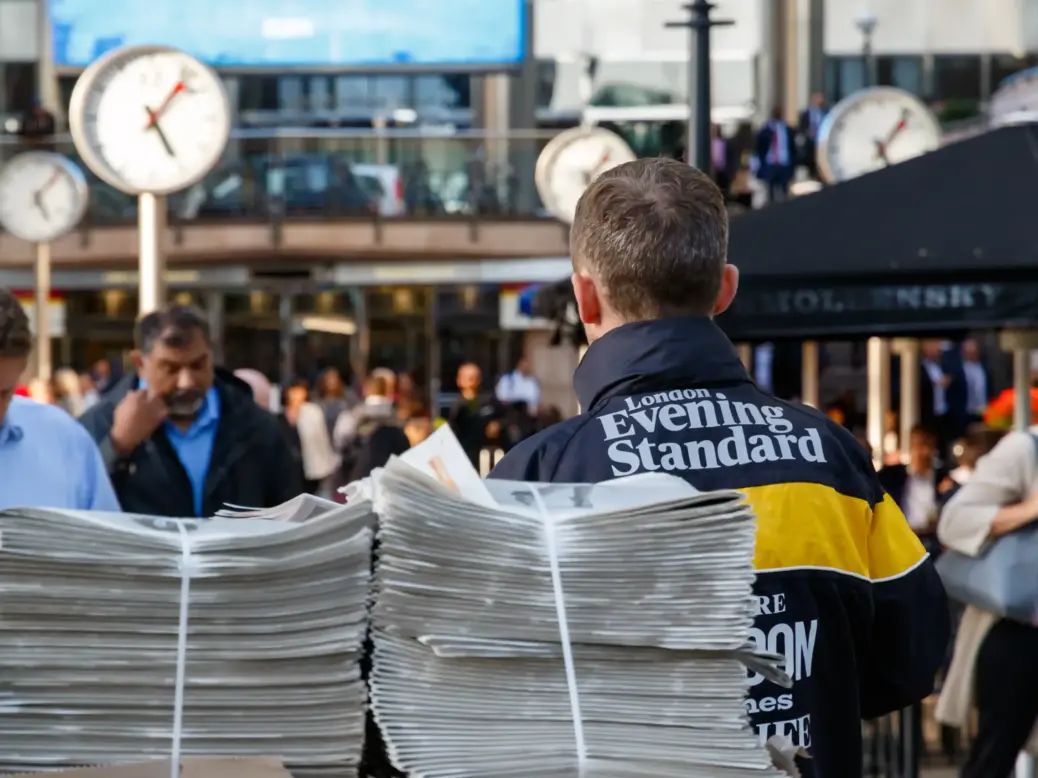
<point x="653" y="235"/>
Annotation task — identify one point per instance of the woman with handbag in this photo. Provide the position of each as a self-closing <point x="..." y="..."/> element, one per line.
<point x="995" y="664"/>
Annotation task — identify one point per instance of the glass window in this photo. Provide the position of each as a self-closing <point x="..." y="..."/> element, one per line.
<point x="18" y="89"/>
<point x="257" y="93"/>
<point x="1005" y="65"/>
<point x="351" y="92"/>
<point x="844" y="75"/>
<point x="320" y="94"/>
<point x="903" y="72"/>
<point x="290" y="93"/>
<point x="390" y="92"/>
<point x="434" y="92"/>
<point x="956" y="77"/>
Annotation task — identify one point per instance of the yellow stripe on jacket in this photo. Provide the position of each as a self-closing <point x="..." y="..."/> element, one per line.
<point x="811" y="526"/>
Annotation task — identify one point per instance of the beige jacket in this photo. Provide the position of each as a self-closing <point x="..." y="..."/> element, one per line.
<point x="1007" y="475"/>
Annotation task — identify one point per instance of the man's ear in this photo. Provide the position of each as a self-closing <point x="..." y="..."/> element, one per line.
<point x="589" y="305"/>
<point x="729" y="286"/>
<point x="137" y="358"/>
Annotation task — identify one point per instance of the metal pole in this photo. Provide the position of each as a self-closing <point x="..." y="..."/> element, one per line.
<point x="44" y="366"/>
<point x="909" y="391"/>
<point x="878" y="402"/>
<point x="704" y="103"/>
<point x="699" y="102"/>
<point x="809" y="370"/>
<point x="1021" y="389"/>
<point x="694" y="101"/>
<point x="151" y="224"/>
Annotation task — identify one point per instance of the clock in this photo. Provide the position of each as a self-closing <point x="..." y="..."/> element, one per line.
<point x="149" y="119"/>
<point x="572" y="160"/>
<point x="43" y="195"/>
<point x="873" y="129"/>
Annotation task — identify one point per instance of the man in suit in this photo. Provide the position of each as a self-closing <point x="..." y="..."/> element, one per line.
<point x="775" y="160"/>
<point x="974" y="392"/>
<point x="934" y="382"/>
<point x="917" y="486"/>
<point x="810" y="121"/>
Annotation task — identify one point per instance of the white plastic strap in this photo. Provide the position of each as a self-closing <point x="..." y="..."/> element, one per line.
<point x="551" y="542"/>
<point x="187" y="569"/>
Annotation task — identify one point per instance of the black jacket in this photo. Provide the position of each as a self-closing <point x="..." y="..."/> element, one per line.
<point x="845" y="590"/>
<point x="251" y="463"/>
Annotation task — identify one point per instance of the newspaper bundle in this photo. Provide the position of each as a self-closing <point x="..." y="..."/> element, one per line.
<point x="562" y="630"/>
<point x="127" y="638"/>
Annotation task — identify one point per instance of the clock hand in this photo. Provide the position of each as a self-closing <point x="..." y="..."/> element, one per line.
<point x="898" y="128"/>
<point x="153" y="124"/>
<point x="37" y="196"/>
<point x="881" y="152"/>
<point x="37" y="200"/>
<point x="154" y="116"/>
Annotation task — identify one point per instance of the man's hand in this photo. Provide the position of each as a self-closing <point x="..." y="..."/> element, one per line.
<point x="136" y="417"/>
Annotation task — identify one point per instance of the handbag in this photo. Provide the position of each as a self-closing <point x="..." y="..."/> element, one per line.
<point x="1002" y="580"/>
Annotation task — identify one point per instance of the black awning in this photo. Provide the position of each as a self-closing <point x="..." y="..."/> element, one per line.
<point x="842" y="308"/>
<point x="969" y="206"/>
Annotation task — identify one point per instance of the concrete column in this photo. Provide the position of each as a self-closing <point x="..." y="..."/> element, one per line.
<point x="496" y="123"/>
<point x="809" y="373"/>
<point x="215" y="311"/>
<point x="908" y="349"/>
<point x="1020" y="343"/>
<point x="769" y="86"/>
<point x="287" y="337"/>
<point x="746" y="356"/>
<point x="878" y="403"/>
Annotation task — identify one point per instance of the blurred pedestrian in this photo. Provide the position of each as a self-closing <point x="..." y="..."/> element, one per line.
<point x="46" y="459"/>
<point x="181" y="437"/>
<point x="66" y="391"/>
<point x="333" y="397"/>
<point x="320" y="461"/>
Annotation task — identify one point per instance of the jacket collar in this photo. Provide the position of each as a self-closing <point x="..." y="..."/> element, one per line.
<point x="650" y="355"/>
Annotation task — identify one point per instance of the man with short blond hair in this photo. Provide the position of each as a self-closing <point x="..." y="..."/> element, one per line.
<point x="844" y="589"/>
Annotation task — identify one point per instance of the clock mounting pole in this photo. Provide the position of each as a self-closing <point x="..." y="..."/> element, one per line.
<point x="43" y="195"/>
<point x="151" y="227"/>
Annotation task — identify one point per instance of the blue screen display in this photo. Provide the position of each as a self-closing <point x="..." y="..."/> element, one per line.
<point x="297" y="33"/>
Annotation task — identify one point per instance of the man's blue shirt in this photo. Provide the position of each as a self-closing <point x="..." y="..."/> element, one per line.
<point x="47" y="460"/>
<point x="194" y="446"/>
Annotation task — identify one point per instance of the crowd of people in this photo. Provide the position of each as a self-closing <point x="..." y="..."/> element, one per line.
<point x="179" y="418"/>
<point x="845" y="587"/>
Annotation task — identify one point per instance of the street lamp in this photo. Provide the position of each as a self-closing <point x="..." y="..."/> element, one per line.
<point x="698" y="24"/>
<point x="866" y="23"/>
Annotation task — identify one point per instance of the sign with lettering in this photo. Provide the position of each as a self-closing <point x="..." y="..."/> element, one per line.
<point x="768" y="311"/>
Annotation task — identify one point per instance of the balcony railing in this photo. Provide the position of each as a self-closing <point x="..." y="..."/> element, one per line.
<point x="273" y="174"/>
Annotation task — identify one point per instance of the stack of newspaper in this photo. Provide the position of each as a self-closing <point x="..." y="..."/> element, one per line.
<point x="562" y="630"/>
<point x="125" y="638"/>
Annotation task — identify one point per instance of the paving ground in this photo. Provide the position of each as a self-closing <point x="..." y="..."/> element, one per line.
<point x="940" y="772"/>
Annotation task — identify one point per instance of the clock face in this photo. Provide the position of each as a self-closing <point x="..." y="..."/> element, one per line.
<point x="43" y="195"/>
<point x="873" y="129"/>
<point x="571" y="161"/>
<point x="149" y="119"/>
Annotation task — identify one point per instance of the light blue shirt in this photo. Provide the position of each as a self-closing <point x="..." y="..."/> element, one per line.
<point x="48" y="460"/>
<point x="194" y="446"/>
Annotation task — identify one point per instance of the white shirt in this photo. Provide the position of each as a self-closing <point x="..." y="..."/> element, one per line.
<point x="515" y="387"/>
<point x="763" y="358"/>
<point x="940" y="400"/>
<point x="920" y="502"/>
<point x="976" y="387"/>
<point x="778" y="149"/>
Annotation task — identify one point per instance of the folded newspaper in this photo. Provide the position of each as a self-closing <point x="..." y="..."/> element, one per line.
<point x="129" y="638"/>
<point x="562" y="629"/>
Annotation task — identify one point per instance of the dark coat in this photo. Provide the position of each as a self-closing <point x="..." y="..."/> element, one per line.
<point x="251" y="463"/>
